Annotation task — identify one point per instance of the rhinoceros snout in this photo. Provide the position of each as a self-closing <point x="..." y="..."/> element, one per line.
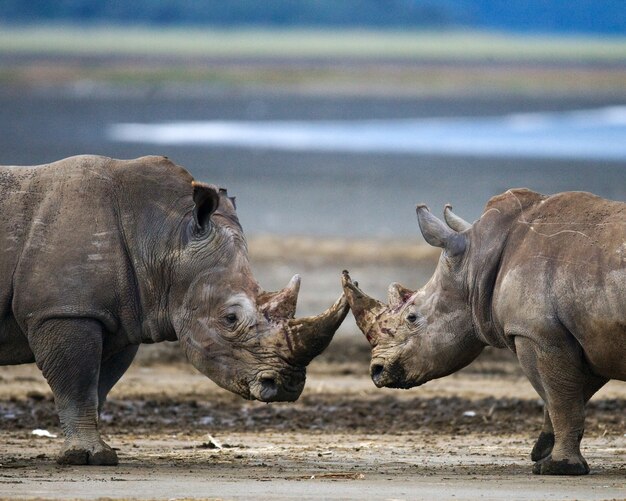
<point x="388" y="374"/>
<point x="272" y="387"/>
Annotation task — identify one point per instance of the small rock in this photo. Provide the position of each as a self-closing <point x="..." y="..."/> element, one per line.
<point x="43" y="433"/>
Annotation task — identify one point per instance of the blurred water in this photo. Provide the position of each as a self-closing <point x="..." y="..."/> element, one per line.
<point x="338" y="192"/>
<point x="597" y="134"/>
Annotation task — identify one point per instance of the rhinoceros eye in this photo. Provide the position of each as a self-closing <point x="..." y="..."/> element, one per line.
<point x="231" y="319"/>
<point x="411" y="317"/>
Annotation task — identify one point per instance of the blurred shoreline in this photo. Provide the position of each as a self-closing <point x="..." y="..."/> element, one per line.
<point x="341" y="62"/>
<point x="93" y="75"/>
<point x="316" y="251"/>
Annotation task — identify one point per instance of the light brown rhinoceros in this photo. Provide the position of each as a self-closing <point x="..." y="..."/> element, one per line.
<point x="100" y="255"/>
<point x="544" y="276"/>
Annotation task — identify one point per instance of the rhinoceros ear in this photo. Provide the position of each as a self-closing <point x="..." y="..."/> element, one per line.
<point x="438" y="234"/>
<point x="206" y="199"/>
<point x="397" y="295"/>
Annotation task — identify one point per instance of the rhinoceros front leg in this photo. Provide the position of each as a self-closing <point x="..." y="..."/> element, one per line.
<point x="557" y="373"/>
<point x="68" y="352"/>
<point x="545" y="442"/>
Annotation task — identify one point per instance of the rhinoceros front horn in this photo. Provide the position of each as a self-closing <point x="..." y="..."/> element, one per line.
<point x="309" y="336"/>
<point x="366" y="310"/>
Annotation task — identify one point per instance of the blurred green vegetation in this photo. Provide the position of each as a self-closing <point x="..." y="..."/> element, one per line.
<point x="305" y="43"/>
<point x="326" y="61"/>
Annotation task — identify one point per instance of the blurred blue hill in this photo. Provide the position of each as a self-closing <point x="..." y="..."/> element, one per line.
<point x="528" y="16"/>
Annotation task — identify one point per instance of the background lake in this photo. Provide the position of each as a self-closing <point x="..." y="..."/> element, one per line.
<point x="334" y="165"/>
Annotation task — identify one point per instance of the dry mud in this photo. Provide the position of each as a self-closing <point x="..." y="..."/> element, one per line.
<point x="178" y="435"/>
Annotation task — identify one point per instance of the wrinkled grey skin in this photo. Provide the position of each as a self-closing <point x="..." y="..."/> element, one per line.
<point x="542" y="276"/>
<point x="99" y="255"/>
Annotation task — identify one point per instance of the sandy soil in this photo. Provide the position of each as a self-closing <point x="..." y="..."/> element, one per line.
<point x="183" y="437"/>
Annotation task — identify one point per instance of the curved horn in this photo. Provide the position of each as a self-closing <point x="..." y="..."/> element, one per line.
<point x="454" y="221"/>
<point x="282" y="303"/>
<point x="366" y="309"/>
<point x="308" y="337"/>
<point x="438" y="234"/>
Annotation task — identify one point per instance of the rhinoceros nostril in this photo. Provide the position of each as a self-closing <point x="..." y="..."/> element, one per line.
<point x="269" y="388"/>
<point x="376" y="371"/>
<point x="268" y="383"/>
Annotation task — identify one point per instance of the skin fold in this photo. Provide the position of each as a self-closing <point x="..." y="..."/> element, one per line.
<point x="100" y="255"/>
<point x="544" y="276"/>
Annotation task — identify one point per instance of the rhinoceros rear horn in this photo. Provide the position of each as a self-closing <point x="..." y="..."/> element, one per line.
<point x="366" y="310"/>
<point x="454" y="221"/>
<point x="310" y="336"/>
<point x="282" y="303"/>
<point x="438" y="234"/>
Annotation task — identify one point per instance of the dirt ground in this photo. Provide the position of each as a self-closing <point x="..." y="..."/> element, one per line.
<point x="178" y="435"/>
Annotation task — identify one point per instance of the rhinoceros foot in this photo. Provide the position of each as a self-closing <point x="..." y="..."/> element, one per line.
<point x="548" y="466"/>
<point x="79" y="454"/>
<point x="543" y="446"/>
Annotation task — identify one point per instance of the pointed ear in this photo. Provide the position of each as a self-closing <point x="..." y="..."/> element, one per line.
<point x="206" y="199"/>
<point x="438" y="234"/>
<point x="397" y="295"/>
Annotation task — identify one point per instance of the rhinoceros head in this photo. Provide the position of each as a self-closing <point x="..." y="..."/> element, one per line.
<point x="420" y="335"/>
<point x="246" y="340"/>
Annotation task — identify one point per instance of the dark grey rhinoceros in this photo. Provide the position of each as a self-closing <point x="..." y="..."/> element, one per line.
<point x="100" y="255"/>
<point x="542" y="276"/>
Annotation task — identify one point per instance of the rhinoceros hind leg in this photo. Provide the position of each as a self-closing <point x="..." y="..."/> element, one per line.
<point x="111" y="370"/>
<point x="558" y="373"/>
<point x="545" y="442"/>
<point x="543" y="446"/>
<point x="548" y="466"/>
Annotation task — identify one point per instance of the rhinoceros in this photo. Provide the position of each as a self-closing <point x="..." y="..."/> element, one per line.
<point x="544" y="276"/>
<point x="99" y="255"/>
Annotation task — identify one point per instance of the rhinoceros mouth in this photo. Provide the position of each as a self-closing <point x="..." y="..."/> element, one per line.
<point x="402" y="385"/>
<point x="270" y="386"/>
<point x="398" y="384"/>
